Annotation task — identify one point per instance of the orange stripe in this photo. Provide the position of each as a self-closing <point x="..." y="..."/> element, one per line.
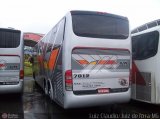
<point x="83" y="62"/>
<point x="93" y="62"/>
<point x="52" y="59"/>
<point x="102" y="62"/>
<point x="111" y="62"/>
<point x="107" y="62"/>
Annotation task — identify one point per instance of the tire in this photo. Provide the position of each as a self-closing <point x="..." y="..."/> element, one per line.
<point x="45" y="88"/>
<point x="50" y="91"/>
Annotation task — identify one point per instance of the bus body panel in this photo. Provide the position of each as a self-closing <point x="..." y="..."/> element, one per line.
<point x="96" y="69"/>
<point x="73" y="101"/>
<point x="11" y="63"/>
<point x="9" y="69"/>
<point x="156" y="81"/>
<point x="48" y="62"/>
<point x="18" y="88"/>
<point x="57" y="80"/>
<point x="60" y="61"/>
<point x="143" y="83"/>
<point x="145" y="71"/>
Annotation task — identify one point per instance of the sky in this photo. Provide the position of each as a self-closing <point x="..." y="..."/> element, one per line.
<point x="39" y="16"/>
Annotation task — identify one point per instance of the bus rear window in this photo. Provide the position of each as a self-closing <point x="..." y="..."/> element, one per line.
<point x="97" y="25"/>
<point x="9" y="38"/>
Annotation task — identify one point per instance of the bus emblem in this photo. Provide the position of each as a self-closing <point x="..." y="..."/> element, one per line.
<point x="123" y="82"/>
<point x="123" y="63"/>
<point x="3" y="65"/>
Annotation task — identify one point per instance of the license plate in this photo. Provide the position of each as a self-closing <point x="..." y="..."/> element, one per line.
<point x="103" y="90"/>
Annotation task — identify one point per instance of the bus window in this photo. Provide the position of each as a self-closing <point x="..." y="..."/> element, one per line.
<point x="9" y="39"/>
<point x="101" y="26"/>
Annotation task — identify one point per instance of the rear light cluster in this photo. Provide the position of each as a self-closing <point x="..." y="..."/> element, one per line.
<point x="68" y="80"/>
<point x="21" y="74"/>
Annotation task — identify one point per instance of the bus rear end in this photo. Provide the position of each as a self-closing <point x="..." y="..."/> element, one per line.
<point x="11" y="61"/>
<point x="99" y="60"/>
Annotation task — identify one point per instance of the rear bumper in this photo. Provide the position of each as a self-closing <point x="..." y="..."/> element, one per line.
<point x="74" y="101"/>
<point x="4" y="89"/>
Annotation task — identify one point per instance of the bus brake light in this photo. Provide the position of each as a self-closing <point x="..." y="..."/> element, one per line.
<point x="68" y="80"/>
<point x="21" y="74"/>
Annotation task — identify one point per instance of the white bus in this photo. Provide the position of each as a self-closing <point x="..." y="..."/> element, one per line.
<point x="85" y="60"/>
<point x="145" y="66"/>
<point x="11" y="61"/>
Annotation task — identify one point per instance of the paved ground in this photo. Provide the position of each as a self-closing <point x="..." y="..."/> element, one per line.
<point x="34" y="105"/>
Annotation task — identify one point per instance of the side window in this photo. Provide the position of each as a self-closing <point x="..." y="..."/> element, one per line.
<point x="145" y="46"/>
<point x="47" y="39"/>
<point x="48" y="51"/>
<point x="60" y="32"/>
<point x="50" y="42"/>
<point x="42" y="45"/>
<point x="52" y="37"/>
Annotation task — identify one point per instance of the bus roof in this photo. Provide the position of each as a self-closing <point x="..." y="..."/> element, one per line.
<point x="9" y="29"/>
<point x="97" y="13"/>
<point x="146" y="26"/>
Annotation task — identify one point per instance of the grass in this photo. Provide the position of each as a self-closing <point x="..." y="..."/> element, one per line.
<point x="27" y="71"/>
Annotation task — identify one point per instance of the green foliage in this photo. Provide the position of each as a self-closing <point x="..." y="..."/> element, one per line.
<point x="27" y="64"/>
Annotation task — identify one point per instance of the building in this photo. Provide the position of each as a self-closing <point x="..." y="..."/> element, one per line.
<point x="30" y="39"/>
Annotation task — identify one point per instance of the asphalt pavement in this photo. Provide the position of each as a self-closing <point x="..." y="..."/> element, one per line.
<point x="35" y="105"/>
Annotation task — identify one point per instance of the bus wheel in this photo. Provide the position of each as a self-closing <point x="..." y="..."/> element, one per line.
<point x="50" y="91"/>
<point x="45" y="88"/>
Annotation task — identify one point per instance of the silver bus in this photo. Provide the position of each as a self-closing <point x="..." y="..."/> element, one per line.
<point x="11" y="61"/>
<point x="84" y="60"/>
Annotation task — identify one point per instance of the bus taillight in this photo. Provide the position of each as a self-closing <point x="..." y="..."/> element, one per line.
<point x="68" y="80"/>
<point x="21" y="74"/>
